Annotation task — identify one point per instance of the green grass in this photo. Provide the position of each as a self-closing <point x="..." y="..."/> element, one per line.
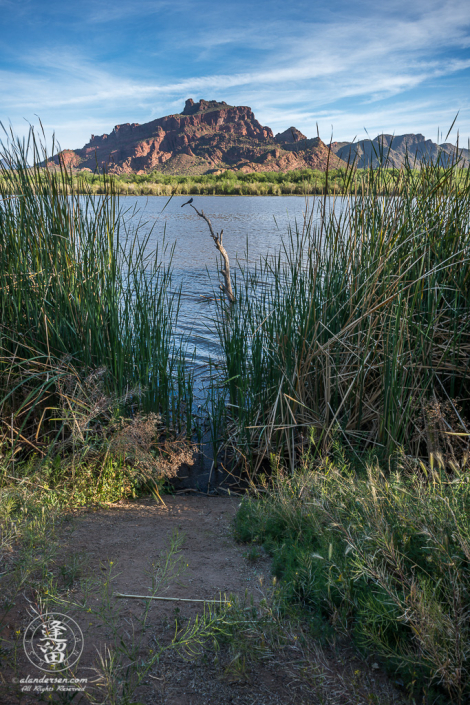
<point x="380" y="557"/>
<point x="360" y="323"/>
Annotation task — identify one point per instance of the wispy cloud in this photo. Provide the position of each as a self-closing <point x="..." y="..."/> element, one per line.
<point x="106" y="12"/>
<point x="349" y="67"/>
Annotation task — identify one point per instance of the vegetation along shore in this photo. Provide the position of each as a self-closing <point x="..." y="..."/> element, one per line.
<point x="305" y="182"/>
<point x="340" y="406"/>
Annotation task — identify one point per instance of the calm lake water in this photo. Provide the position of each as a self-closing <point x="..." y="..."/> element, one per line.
<point x="256" y="222"/>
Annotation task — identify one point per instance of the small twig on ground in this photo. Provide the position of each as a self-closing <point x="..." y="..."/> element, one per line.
<point x="170" y="599"/>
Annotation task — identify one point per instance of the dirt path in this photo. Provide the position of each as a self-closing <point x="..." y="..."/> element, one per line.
<point x="132" y="536"/>
<point x="124" y="546"/>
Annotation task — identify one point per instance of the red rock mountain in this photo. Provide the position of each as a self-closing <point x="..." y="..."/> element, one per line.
<point x="207" y="136"/>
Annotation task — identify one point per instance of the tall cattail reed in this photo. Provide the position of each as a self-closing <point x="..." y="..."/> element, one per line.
<point x="76" y="285"/>
<point x="360" y="323"/>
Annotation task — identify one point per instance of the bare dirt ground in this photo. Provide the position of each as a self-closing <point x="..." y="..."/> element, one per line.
<point x="123" y="546"/>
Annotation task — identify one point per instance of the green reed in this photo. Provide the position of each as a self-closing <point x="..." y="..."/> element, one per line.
<point x="361" y="322"/>
<point x="78" y="287"/>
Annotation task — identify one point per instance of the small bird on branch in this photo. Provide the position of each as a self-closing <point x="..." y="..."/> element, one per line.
<point x="187" y="202"/>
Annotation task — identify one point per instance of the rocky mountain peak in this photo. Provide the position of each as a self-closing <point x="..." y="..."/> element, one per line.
<point x="211" y="136"/>
<point x="208" y="136"/>
<point x="396" y="151"/>
<point x="290" y="136"/>
<point x="191" y="108"/>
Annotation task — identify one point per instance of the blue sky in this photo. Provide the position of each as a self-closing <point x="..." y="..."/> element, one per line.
<point x="85" y="66"/>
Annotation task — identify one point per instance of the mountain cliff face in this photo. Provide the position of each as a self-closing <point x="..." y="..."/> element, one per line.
<point x="207" y="136"/>
<point x="393" y="151"/>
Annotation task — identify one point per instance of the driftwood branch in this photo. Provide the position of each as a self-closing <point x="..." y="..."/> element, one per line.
<point x="217" y="237"/>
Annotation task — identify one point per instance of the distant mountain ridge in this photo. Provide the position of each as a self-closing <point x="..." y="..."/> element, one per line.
<point x="395" y="150"/>
<point x="211" y="136"/>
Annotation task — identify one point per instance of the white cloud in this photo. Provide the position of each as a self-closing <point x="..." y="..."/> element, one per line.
<point x="312" y="65"/>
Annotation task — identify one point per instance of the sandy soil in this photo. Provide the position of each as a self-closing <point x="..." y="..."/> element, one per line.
<point x="128" y="541"/>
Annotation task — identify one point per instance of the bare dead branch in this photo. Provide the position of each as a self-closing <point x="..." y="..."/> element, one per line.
<point x="217" y="237"/>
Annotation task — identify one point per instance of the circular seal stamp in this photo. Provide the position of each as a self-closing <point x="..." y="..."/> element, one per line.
<point x="53" y="642"/>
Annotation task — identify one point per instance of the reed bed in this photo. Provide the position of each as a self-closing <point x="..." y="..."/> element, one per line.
<point x="79" y="294"/>
<point x="360" y="324"/>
